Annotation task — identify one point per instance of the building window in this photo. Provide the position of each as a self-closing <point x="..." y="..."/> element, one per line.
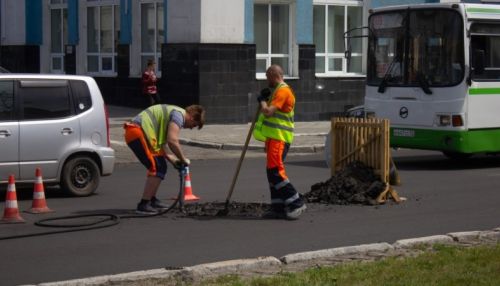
<point x="272" y="37"/>
<point x="152" y="33"/>
<point x="58" y="34"/>
<point x="329" y="24"/>
<point x="103" y="28"/>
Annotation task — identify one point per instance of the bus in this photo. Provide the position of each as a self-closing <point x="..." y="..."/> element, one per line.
<point x="434" y="71"/>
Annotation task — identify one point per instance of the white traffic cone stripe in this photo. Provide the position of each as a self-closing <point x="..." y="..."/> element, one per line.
<point x="38" y="180"/>
<point x="11" y="188"/>
<point x="38" y="195"/>
<point x="11" y="204"/>
<point x="187" y="184"/>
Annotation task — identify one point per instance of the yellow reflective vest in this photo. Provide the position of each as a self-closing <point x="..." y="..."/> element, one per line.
<point x="278" y="126"/>
<point x="154" y="124"/>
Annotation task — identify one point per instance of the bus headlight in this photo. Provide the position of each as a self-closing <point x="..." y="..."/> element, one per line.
<point x="443" y="120"/>
<point x="454" y="120"/>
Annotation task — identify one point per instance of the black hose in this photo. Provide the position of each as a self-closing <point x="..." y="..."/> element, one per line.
<point x="107" y="219"/>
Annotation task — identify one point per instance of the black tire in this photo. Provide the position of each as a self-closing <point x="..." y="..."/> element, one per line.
<point x="80" y="176"/>
<point x="457" y="156"/>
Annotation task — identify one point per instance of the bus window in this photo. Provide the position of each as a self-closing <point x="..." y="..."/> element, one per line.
<point x="486" y="37"/>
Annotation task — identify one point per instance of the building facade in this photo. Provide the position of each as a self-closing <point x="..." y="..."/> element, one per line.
<point x="209" y="52"/>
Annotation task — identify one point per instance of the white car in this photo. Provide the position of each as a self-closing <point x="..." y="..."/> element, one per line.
<point x="58" y="123"/>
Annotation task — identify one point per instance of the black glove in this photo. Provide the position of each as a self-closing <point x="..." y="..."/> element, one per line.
<point x="264" y="95"/>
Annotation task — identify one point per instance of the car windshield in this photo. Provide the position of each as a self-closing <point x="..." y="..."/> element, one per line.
<point x="421" y="47"/>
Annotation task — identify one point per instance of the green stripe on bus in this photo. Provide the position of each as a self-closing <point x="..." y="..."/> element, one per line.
<point x="482" y="10"/>
<point x="472" y="141"/>
<point x="473" y="91"/>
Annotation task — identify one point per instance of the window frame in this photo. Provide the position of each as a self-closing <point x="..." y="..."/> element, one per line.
<point x="288" y="72"/>
<point x="156" y="54"/>
<point x="61" y="5"/>
<point x="115" y="11"/>
<point x="327" y="56"/>
<point x="14" y="108"/>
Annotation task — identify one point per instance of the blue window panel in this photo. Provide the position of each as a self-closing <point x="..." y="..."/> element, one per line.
<point x="33" y="14"/>
<point x="249" y="39"/>
<point x="125" y="22"/>
<point x="304" y="16"/>
<point x="73" y="36"/>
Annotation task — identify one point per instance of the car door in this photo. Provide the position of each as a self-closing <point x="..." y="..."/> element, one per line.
<point x="9" y="132"/>
<point x="49" y="130"/>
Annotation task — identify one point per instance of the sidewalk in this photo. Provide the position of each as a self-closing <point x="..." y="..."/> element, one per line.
<point x="309" y="136"/>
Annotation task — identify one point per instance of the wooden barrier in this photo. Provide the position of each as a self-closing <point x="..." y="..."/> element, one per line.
<point x="365" y="140"/>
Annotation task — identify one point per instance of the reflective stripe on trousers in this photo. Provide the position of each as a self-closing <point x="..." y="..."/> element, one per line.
<point x="282" y="191"/>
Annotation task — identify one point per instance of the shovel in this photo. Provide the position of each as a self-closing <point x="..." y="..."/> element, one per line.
<point x="225" y="211"/>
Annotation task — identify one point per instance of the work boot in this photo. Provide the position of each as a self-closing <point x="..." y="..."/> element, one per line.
<point x="296" y="212"/>
<point x="145" y="208"/>
<point x="158" y="205"/>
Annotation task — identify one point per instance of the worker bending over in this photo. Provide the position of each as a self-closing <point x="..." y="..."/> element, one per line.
<point x="148" y="134"/>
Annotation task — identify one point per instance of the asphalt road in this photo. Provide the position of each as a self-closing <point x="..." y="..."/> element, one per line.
<point x="443" y="196"/>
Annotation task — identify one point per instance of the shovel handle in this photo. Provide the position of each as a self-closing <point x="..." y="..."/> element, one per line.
<point x="243" y="152"/>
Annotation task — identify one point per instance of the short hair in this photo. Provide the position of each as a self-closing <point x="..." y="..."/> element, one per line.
<point x="275" y="71"/>
<point x="197" y="112"/>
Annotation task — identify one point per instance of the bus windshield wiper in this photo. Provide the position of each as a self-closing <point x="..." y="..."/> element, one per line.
<point x="387" y="76"/>
<point x="424" y="84"/>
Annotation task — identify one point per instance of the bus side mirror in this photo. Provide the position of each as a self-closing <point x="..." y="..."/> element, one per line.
<point x="347" y="54"/>
<point x="478" y="61"/>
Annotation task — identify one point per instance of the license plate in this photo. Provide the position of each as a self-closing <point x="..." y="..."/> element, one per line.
<point x="403" y="133"/>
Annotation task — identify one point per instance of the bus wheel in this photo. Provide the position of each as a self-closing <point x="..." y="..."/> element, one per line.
<point x="457" y="155"/>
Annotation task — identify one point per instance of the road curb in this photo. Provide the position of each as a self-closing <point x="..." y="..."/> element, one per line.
<point x="270" y="264"/>
<point x="237" y="266"/>
<point x="464" y="235"/>
<point x="427" y="240"/>
<point x="334" y="252"/>
<point x="117" y="278"/>
<point x="315" y="148"/>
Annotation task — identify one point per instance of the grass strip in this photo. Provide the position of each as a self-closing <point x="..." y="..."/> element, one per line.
<point x="443" y="265"/>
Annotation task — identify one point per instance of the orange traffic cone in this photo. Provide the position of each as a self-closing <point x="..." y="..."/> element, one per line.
<point x="11" y="212"/>
<point x="188" y="190"/>
<point x="39" y="204"/>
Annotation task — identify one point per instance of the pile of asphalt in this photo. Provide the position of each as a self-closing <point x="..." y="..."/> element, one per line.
<point x="355" y="184"/>
<point x="218" y="209"/>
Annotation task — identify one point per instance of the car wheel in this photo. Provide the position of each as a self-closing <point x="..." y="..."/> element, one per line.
<point x="80" y="176"/>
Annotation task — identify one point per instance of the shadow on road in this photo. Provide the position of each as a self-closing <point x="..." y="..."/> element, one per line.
<point x="313" y="164"/>
<point x="437" y="162"/>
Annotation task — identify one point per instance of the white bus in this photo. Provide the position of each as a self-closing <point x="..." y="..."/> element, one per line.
<point x="434" y="71"/>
